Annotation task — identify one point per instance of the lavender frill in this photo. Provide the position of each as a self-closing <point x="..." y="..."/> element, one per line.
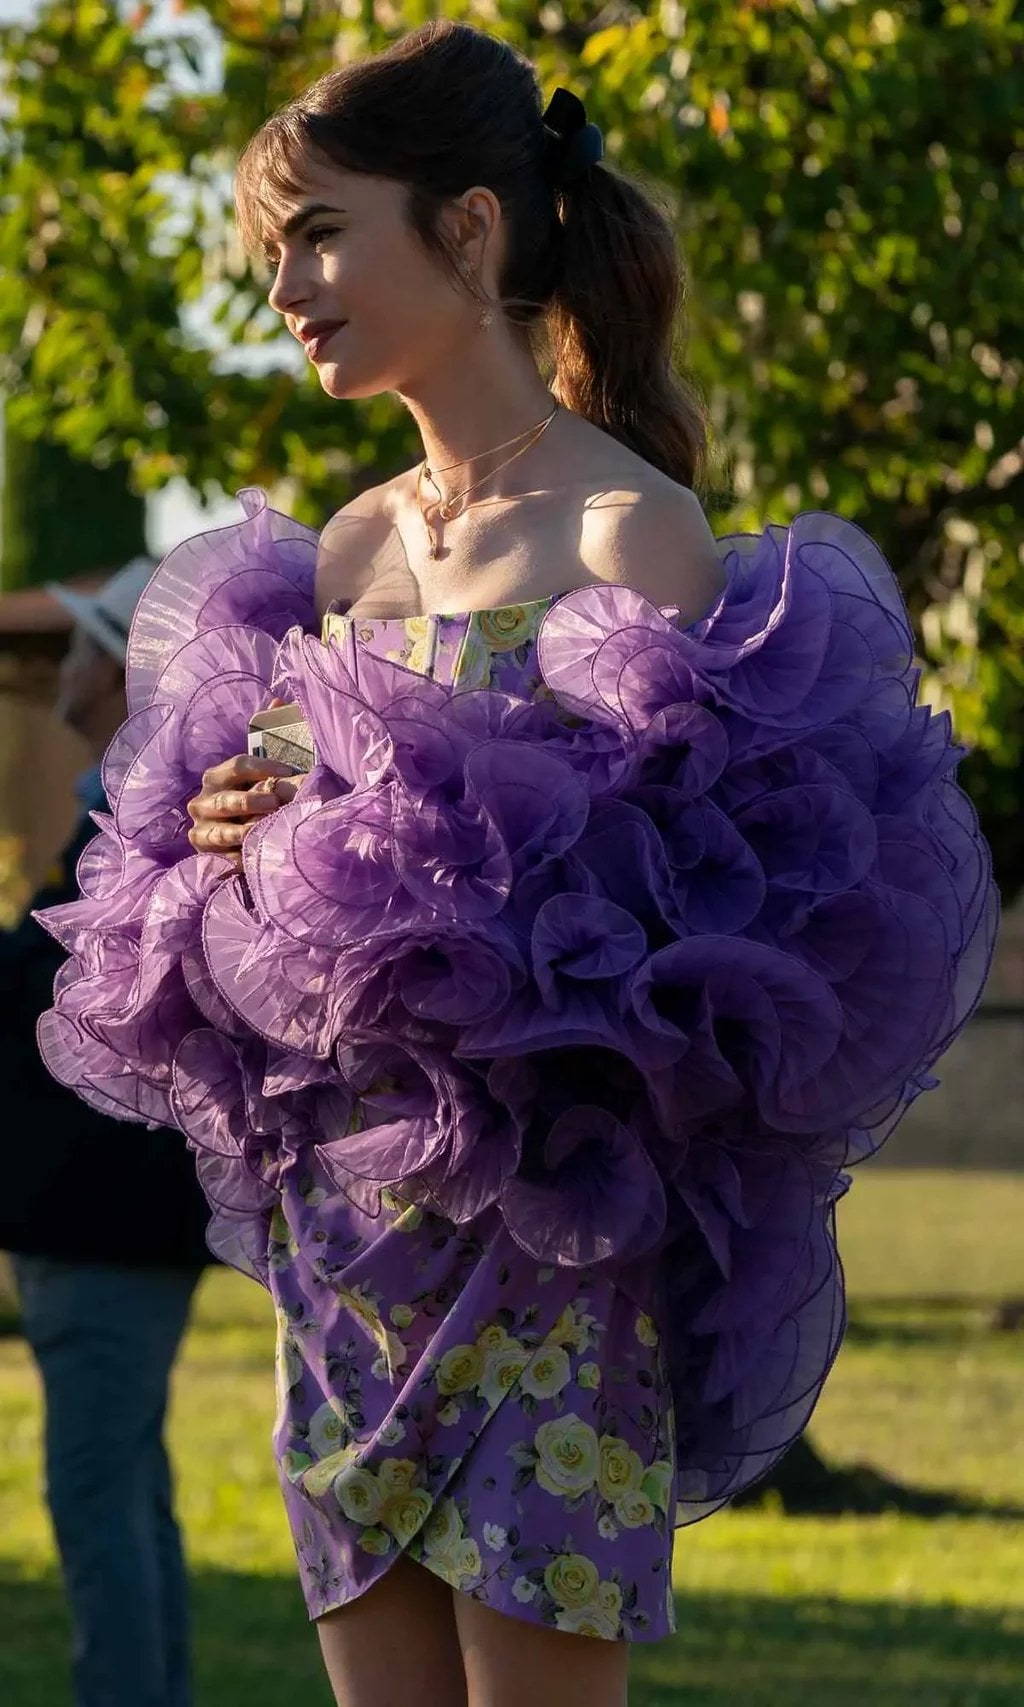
<point x="645" y="962"/>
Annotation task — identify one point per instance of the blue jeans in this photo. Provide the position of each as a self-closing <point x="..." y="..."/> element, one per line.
<point x="105" y="1339"/>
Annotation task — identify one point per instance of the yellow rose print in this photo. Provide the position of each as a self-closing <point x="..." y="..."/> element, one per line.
<point x="359" y="1495"/>
<point x="459" y="1566"/>
<point x="571" y="1579"/>
<point x="492" y="1338"/>
<point x="420" y="656"/>
<point x="508" y="627"/>
<point x="588" y="1621"/>
<point x="547" y="1372"/>
<point x="376" y="1541"/>
<point x="634" y="1510"/>
<point x="405" y="1513"/>
<point x="609" y="1598"/>
<point x="620" y="1468"/>
<point x="328" y="1429"/>
<point x="444" y="1528"/>
<point x="396" y="1475"/>
<point x="567" y="1456"/>
<point x="319" y="1477"/>
<point x="502" y="1370"/>
<point x="459" y="1369"/>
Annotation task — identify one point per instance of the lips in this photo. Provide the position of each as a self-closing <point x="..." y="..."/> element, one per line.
<point x="318" y="334"/>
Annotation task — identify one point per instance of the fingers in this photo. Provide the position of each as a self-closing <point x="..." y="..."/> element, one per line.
<point x="232" y="803"/>
<point x="241" y="772"/>
<point x="235" y="796"/>
<point x="280" y="789"/>
<point x="219" y="838"/>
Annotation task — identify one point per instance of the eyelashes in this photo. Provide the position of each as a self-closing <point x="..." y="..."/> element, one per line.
<point x="316" y="235"/>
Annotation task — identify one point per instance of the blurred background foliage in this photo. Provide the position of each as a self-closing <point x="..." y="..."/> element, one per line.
<point x="847" y="180"/>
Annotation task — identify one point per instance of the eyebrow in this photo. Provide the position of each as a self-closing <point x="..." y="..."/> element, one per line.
<point x="294" y="221"/>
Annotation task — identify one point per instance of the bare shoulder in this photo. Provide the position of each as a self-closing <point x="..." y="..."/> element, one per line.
<point x="655" y="537"/>
<point x="358" y="542"/>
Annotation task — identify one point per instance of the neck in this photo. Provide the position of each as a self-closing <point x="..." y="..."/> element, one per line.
<point x="464" y="412"/>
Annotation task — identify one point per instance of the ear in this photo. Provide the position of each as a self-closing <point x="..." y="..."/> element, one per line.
<point x="474" y="221"/>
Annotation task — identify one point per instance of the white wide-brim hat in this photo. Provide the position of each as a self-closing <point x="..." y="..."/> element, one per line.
<point x="106" y="616"/>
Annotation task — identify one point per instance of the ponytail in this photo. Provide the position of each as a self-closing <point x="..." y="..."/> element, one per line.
<point x="615" y="321"/>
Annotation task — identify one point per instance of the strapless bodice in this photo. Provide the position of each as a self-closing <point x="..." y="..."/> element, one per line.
<point x="494" y="648"/>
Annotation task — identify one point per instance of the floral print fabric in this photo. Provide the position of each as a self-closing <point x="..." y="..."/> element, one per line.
<point x="506" y="1425"/>
<point x="509" y="1426"/>
<point x="477" y="649"/>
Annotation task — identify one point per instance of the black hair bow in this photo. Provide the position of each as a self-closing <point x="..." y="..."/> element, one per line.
<point x="573" y="144"/>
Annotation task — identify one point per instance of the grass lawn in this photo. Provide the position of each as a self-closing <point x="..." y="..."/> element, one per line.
<point x="888" y="1611"/>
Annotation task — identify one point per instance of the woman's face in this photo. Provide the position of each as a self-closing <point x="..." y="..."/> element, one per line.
<point x="374" y="310"/>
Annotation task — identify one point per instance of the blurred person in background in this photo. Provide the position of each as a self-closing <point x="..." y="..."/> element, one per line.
<point x="105" y="1223"/>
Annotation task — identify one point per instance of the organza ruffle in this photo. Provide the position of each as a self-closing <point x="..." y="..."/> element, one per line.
<point x="642" y="966"/>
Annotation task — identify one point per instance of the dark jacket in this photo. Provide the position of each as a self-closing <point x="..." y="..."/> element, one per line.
<point x="76" y="1184"/>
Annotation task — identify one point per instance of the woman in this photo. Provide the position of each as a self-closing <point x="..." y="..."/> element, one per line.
<point x="523" y="1042"/>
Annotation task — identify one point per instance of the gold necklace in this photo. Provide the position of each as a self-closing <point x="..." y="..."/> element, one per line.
<point x="493" y="450"/>
<point x="455" y="504"/>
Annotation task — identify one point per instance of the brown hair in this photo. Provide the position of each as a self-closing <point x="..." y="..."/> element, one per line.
<point x="593" y="265"/>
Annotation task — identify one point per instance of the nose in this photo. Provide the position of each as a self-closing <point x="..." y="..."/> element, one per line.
<point x="289" y="289"/>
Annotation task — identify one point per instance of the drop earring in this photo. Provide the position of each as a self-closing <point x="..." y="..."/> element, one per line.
<point x="486" y="316"/>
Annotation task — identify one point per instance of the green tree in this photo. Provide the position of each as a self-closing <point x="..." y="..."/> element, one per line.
<point x="847" y="180"/>
<point x="62" y="517"/>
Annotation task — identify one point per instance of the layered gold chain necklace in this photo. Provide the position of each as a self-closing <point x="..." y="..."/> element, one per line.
<point x="449" y="506"/>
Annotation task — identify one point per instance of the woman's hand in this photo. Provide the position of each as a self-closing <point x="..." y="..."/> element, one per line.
<point x="235" y="796"/>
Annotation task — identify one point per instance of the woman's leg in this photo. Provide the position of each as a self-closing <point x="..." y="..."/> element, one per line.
<point x="509" y="1662"/>
<point x="397" y="1644"/>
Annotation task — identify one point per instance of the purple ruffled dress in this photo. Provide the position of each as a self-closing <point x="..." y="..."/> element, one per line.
<point x="524" y="1062"/>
